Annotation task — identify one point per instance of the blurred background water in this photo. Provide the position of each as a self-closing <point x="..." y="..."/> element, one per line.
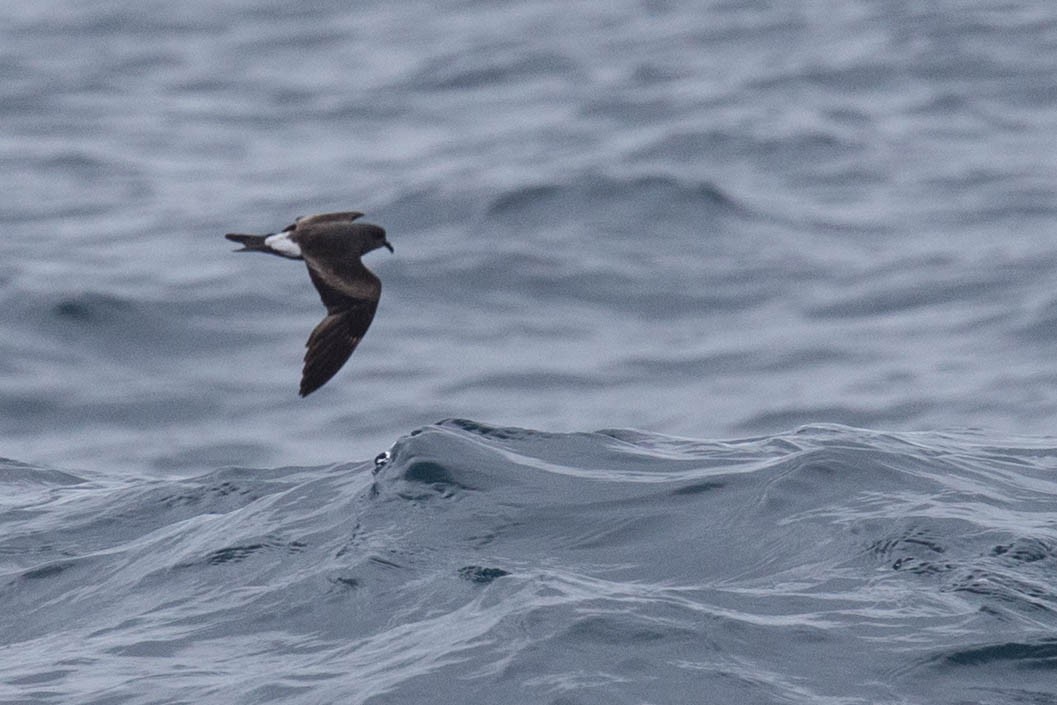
<point x="695" y="219"/>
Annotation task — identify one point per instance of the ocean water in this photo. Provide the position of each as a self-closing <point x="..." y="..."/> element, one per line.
<point x="798" y="258"/>
<point x="483" y="564"/>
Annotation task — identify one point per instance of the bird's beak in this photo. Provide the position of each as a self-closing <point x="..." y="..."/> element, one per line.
<point x="387" y="246"/>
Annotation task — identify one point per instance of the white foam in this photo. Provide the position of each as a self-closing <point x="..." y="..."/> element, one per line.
<point x="281" y="243"/>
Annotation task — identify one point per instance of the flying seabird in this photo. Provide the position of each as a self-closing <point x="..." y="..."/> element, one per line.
<point x="331" y="245"/>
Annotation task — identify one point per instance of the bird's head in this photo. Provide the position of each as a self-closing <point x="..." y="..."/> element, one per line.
<point x="374" y="237"/>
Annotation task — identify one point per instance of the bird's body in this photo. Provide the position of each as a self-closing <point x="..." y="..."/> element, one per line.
<point x="331" y="245"/>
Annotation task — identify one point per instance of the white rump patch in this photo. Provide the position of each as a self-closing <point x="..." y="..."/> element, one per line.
<point x="281" y="243"/>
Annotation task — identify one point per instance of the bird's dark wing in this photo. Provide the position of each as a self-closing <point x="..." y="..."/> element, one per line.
<point x="332" y="342"/>
<point x="349" y="286"/>
<point x="306" y="220"/>
<point x="351" y="298"/>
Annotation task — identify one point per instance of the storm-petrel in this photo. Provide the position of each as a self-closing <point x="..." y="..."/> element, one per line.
<point x="331" y="245"/>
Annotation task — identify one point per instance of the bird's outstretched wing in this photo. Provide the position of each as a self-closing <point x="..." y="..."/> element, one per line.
<point x="351" y="303"/>
<point x="332" y="342"/>
<point x="306" y="220"/>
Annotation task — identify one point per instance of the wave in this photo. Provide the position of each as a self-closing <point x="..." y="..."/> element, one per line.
<point x="508" y="565"/>
<point x="629" y="197"/>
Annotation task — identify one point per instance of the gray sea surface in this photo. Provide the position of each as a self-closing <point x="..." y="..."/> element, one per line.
<point x="818" y="235"/>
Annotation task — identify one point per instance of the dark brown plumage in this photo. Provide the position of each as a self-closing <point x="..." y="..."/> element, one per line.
<point x="331" y="245"/>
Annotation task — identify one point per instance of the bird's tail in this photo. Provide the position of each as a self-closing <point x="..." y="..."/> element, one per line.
<point x="250" y="243"/>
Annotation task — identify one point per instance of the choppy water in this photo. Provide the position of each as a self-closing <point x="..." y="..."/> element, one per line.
<point x="483" y="564"/>
<point x="700" y="219"/>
